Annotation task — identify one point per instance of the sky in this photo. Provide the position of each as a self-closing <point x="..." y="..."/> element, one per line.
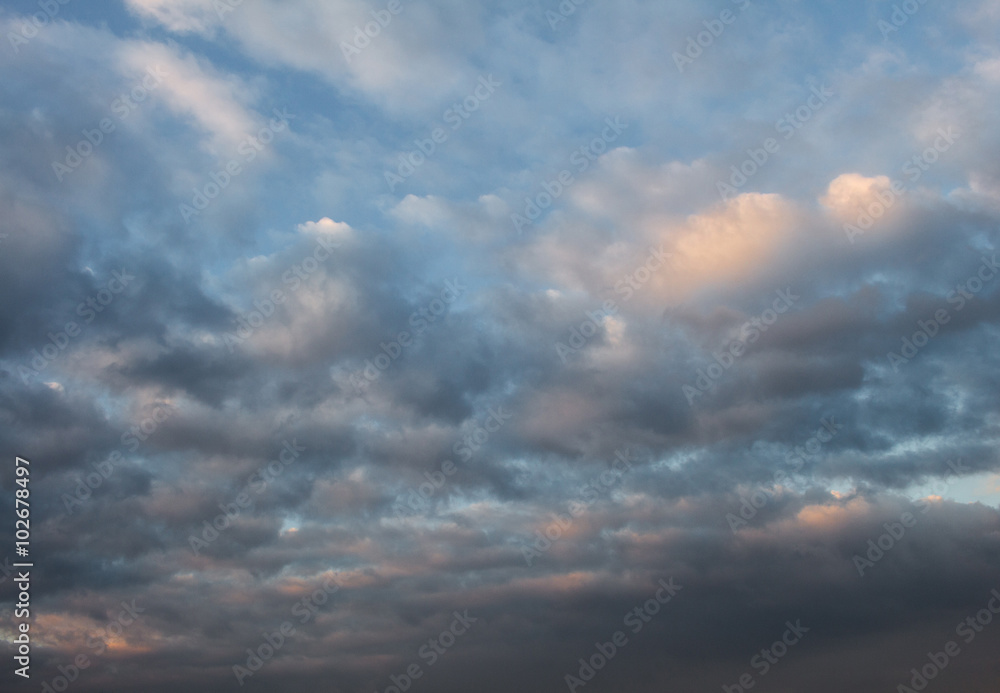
<point x="538" y="345"/>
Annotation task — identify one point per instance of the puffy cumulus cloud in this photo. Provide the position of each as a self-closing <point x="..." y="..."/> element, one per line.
<point x="676" y="253"/>
<point x="483" y="220"/>
<point x="312" y="299"/>
<point x="850" y="193"/>
<point x="327" y="227"/>
<point x="622" y="186"/>
<point x="730" y="244"/>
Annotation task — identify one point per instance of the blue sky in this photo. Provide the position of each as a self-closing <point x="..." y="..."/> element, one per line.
<point x="703" y="288"/>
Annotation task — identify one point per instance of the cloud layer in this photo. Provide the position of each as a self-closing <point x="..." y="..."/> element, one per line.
<point x="444" y="334"/>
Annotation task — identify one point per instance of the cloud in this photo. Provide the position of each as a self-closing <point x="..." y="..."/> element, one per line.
<point x="459" y="386"/>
